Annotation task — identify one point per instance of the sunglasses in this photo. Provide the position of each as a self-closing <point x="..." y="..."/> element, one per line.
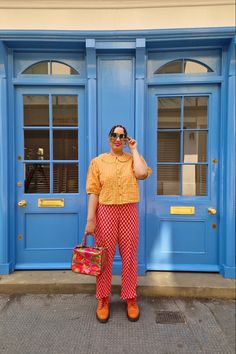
<point x="116" y="136"/>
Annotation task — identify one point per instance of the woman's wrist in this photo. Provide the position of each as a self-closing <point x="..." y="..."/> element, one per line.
<point x="90" y="220"/>
<point x="134" y="150"/>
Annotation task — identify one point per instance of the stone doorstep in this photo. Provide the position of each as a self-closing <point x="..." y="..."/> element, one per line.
<point x="176" y="284"/>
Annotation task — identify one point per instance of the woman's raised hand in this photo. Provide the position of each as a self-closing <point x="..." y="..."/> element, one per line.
<point x="132" y="143"/>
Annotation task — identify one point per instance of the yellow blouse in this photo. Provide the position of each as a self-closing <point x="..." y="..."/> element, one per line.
<point x="113" y="179"/>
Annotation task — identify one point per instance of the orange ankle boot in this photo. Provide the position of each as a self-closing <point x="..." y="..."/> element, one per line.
<point x="132" y="310"/>
<point x="103" y="310"/>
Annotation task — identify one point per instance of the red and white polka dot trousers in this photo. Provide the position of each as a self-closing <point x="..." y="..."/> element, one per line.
<point x="118" y="224"/>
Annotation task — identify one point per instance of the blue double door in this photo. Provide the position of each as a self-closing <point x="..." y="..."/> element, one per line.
<point x="182" y="212"/>
<point x="50" y="163"/>
<point x="181" y="146"/>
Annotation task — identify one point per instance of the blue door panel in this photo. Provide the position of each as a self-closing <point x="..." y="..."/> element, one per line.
<point x="172" y="240"/>
<point x="115" y="96"/>
<point x="60" y="231"/>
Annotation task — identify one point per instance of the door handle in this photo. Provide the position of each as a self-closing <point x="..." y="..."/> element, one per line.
<point x="211" y="211"/>
<point x="22" y="203"/>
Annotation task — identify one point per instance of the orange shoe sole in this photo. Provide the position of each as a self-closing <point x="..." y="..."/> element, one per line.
<point x="103" y="321"/>
<point x="131" y="319"/>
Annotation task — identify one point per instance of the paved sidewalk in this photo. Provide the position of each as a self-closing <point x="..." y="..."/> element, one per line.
<point x="178" y="284"/>
<point x="66" y="324"/>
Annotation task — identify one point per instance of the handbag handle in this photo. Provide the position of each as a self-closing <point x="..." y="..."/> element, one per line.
<point x="84" y="241"/>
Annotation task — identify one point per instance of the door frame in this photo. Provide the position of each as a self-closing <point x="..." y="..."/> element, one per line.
<point x="12" y="152"/>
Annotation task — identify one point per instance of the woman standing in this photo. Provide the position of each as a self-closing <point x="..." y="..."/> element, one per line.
<point x="113" y="216"/>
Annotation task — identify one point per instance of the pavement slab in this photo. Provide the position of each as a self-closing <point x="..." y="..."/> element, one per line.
<point x="66" y="323"/>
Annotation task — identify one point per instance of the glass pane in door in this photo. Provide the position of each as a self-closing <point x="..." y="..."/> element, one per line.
<point x="195" y="146"/>
<point x="168" y="149"/>
<point x="169" y="112"/>
<point x="65" y="110"/>
<point x="36" y="178"/>
<point x="65" y="145"/>
<point x="36" y="111"/>
<point x="195" y="112"/>
<point x="168" y="179"/>
<point x="36" y="146"/>
<point x="65" y="178"/>
<point x="194" y="180"/>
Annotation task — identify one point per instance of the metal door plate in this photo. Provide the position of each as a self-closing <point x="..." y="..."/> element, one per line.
<point x="50" y="203"/>
<point x="182" y="210"/>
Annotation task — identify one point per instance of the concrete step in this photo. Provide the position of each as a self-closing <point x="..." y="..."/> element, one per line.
<point x="176" y="284"/>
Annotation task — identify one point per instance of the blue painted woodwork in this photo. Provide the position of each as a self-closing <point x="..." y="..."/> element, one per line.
<point x="6" y="265"/>
<point x="140" y="74"/>
<point x="213" y="35"/>
<point x="115" y="96"/>
<point x="228" y="268"/>
<point x="39" y="228"/>
<point x="213" y="46"/>
<point x="92" y="98"/>
<point x="180" y="240"/>
<point x="211" y="58"/>
<point x="49" y="234"/>
<point x="24" y="60"/>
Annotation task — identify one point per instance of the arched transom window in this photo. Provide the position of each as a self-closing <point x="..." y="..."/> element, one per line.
<point x="183" y="66"/>
<point x="50" y="67"/>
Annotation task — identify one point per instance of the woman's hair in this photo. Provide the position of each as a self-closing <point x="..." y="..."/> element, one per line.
<point x="116" y="126"/>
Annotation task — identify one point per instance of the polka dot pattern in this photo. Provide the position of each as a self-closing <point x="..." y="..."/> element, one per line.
<point x="118" y="224"/>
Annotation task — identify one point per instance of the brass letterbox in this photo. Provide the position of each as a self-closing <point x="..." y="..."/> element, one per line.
<point x="50" y="203"/>
<point x="182" y="210"/>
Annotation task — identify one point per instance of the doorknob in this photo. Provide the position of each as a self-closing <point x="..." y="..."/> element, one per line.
<point x="22" y="203"/>
<point x="211" y="211"/>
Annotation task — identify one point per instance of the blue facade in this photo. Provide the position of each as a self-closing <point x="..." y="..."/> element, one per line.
<point x="118" y="77"/>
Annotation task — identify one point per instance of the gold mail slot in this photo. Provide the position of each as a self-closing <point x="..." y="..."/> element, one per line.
<point x="50" y="203"/>
<point x="182" y="210"/>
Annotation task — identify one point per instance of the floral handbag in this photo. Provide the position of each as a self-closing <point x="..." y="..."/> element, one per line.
<point x="89" y="260"/>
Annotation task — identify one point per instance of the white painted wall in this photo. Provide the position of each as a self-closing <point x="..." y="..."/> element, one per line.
<point x="115" y="15"/>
